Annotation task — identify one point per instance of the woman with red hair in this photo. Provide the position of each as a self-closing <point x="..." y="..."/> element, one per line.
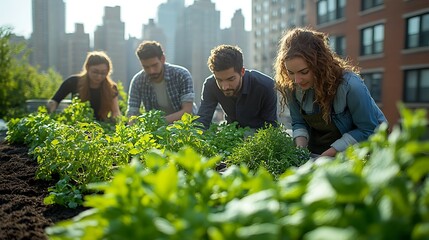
<point x="330" y="105"/>
<point x="92" y="84"/>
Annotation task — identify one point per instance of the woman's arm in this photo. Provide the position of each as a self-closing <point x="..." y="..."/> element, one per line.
<point x="68" y="86"/>
<point x="52" y="105"/>
<point x="330" y="152"/>
<point x="116" y="112"/>
<point x="363" y="113"/>
<point x="299" y="126"/>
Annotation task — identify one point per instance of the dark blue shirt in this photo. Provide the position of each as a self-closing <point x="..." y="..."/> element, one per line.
<point x="255" y="105"/>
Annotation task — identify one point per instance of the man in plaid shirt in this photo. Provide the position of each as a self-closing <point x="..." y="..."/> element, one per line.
<point x="160" y="85"/>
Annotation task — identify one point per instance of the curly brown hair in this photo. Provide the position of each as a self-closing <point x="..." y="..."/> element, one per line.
<point x="224" y="57"/>
<point x="326" y="65"/>
<point x="109" y="88"/>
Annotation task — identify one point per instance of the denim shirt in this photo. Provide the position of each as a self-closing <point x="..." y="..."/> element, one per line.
<point x="179" y="84"/>
<point x="355" y="112"/>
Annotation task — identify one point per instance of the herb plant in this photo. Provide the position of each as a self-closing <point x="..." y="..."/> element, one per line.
<point x="271" y="148"/>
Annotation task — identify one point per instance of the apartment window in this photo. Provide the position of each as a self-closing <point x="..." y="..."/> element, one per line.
<point x="367" y="4"/>
<point x="330" y="10"/>
<point x="266" y="5"/>
<point x="274" y="27"/>
<point x="303" y="20"/>
<point x="274" y="14"/>
<point x="338" y="45"/>
<point x="266" y="31"/>
<point x="291" y="23"/>
<point x="266" y="18"/>
<point x="417" y="31"/>
<point x="291" y="6"/>
<point x="372" y="40"/>
<point x="416" y="87"/>
<point x="373" y="83"/>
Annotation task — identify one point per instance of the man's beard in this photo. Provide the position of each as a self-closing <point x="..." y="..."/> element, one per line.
<point x="229" y="93"/>
<point x="155" y="76"/>
<point x="233" y="92"/>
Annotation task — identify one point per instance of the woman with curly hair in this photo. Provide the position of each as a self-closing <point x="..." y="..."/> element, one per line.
<point x="330" y="106"/>
<point x="93" y="84"/>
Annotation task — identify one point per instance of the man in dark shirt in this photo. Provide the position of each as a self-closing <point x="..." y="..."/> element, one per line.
<point x="246" y="96"/>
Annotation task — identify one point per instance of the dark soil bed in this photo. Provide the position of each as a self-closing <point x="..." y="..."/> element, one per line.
<point x="22" y="212"/>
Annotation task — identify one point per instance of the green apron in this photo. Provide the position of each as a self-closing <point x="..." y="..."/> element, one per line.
<point x="322" y="135"/>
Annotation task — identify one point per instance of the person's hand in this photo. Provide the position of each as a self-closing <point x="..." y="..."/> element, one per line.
<point x="131" y="120"/>
<point x="51" y="106"/>
<point x="331" y="152"/>
<point x="301" y="142"/>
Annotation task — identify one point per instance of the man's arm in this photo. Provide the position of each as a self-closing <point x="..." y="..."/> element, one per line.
<point x="186" y="108"/>
<point x="208" y="104"/>
<point x="134" y="97"/>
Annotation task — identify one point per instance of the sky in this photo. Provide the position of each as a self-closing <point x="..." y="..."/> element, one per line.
<point x="134" y="13"/>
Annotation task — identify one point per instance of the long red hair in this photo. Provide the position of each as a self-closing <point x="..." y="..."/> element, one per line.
<point x="327" y="66"/>
<point x="109" y="89"/>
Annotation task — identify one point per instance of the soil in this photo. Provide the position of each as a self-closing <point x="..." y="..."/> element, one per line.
<point x="23" y="215"/>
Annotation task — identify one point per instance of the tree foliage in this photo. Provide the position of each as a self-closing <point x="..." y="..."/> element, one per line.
<point x="19" y="80"/>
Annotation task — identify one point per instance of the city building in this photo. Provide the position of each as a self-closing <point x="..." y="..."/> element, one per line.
<point x="48" y="34"/>
<point x="110" y="37"/>
<point x="269" y="20"/>
<point x="186" y="33"/>
<point x="76" y="46"/>
<point x="169" y="14"/>
<point x="237" y="35"/>
<point x="133" y="63"/>
<point x="152" y="32"/>
<point x="198" y="32"/>
<point x="389" y="40"/>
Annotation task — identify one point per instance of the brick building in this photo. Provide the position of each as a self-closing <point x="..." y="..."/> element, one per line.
<point x="388" y="39"/>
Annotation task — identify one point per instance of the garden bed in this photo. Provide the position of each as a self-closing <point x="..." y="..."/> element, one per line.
<point x="22" y="212"/>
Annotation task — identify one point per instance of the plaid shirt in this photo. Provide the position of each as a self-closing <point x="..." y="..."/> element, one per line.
<point x="180" y="89"/>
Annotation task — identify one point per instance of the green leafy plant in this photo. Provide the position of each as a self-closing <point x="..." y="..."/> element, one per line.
<point x="19" y="80"/>
<point x="375" y="190"/>
<point x="72" y="145"/>
<point x="271" y="148"/>
<point x="65" y="194"/>
<point x="77" y="111"/>
<point x="185" y="132"/>
<point x="223" y="138"/>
